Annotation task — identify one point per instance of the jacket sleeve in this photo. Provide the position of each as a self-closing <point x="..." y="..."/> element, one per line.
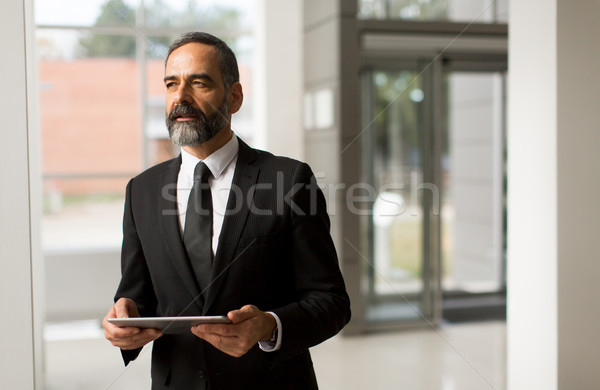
<point x="136" y="283"/>
<point x="322" y="307"/>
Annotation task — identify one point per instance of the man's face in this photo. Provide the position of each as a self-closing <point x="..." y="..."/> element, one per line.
<point x="196" y="101"/>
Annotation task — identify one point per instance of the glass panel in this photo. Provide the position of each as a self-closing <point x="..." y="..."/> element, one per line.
<point x="66" y="44"/>
<point x="102" y="122"/>
<point x="243" y="121"/>
<point x="90" y="135"/>
<point x="418" y="10"/>
<point x="100" y="45"/>
<point x="224" y="16"/>
<point x="372" y="9"/>
<point x="473" y="184"/>
<point x="502" y="11"/>
<point x="86" y="13"/>
<point x="396" y="279"/>
<point x="480" y="11"/>
<point x="158" y="144"/>
<point x="82" y="212"/>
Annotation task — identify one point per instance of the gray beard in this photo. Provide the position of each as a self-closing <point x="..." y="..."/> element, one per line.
<point x="192" y="133"/>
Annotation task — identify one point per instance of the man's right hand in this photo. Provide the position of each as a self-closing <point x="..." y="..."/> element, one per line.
<point x="128" y="337"/>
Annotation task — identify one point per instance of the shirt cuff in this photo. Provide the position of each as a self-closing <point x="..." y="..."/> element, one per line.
<point x="272" y="346"/>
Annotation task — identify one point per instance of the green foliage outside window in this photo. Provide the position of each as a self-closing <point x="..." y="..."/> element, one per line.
<point x="156" y="14"/>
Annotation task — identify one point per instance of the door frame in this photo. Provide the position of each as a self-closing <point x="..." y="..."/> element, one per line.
<point x="444" y="47"/>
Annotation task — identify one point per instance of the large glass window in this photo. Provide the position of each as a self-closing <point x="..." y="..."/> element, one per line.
<point x="100" y="69"/>
<point x="90" y="135"/>
<point x="102" y="104"/>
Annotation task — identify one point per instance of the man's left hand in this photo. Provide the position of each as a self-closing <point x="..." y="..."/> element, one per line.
<point x="249" y="326"/>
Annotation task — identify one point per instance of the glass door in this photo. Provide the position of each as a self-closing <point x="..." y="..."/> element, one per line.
<point x="434" y="158"/>
<point x="400" y="283"/>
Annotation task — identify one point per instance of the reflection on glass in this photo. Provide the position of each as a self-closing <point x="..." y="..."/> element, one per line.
<point x="396" y="279"/>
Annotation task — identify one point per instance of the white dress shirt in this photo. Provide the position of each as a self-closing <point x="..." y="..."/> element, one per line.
<point x="221" y="164"/>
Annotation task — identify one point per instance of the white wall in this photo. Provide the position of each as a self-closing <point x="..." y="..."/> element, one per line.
<point x="19" y="205"/>
<point x="476" y="185"/>
<point x="278" y="84"/>
<point x="553" y="192"/>
<point x="532" y="254"/>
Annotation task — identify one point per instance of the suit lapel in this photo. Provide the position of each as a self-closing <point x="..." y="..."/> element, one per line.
<point x="240" y="196"/>
<point x="169" y="225"/>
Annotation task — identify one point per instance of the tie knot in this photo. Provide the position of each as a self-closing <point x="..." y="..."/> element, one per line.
<point x="202" y="172"/>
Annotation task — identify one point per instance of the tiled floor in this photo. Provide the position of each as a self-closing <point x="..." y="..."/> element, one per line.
<point x="453" y="357"/>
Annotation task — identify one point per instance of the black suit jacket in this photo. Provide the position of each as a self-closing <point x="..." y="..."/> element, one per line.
<point x="275" y="251"/>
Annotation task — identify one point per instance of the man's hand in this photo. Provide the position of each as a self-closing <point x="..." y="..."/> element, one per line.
<point x="249" y="326"/>
<point x="128" y="337"/>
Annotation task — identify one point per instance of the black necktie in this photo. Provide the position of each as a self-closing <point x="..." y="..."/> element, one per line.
<point x="197" y="234"/>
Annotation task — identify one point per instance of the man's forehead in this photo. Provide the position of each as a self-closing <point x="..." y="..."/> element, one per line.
<point x="191" y="55"/>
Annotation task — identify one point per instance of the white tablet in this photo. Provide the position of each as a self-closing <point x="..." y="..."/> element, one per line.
<point x="169" y="324"/>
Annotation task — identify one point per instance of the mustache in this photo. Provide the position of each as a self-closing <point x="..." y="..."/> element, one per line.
<point x="186" y="109"/>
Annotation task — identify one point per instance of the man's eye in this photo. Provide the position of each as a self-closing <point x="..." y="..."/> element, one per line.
<point x="199" y="83"/>
<point x="169" y="85"/>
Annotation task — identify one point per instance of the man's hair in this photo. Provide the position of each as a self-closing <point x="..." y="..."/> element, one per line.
<point x="227" y="62"/>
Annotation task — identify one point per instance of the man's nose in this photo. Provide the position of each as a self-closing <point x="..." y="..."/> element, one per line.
<point x="183" y="93"/>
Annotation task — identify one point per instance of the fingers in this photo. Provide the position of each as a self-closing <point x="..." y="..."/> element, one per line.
<point x="128" y="337"/>
<point x="226" y="340"/>
<point x="138" y="340"/>
<point x="125" y="307"/>
<point x="246" y="312"/>
<point x="218" y="329"/>
<point x="115" y="332"/>
<point x="249" y="325"/>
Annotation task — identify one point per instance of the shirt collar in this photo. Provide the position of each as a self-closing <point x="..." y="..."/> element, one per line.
<point x="216" y="162"/>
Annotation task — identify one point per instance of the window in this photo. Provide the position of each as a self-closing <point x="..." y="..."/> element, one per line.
<point x="479" y="11"/>
<point x="100" y="69"/>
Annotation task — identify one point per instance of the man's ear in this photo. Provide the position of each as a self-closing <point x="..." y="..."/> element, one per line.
<point x="236" y="97"/>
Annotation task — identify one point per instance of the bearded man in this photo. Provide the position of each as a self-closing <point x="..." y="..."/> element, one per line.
<point x="224" y="229"/>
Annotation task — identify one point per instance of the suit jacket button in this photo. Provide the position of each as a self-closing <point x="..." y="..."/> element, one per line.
<point x="202" y="373"/>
